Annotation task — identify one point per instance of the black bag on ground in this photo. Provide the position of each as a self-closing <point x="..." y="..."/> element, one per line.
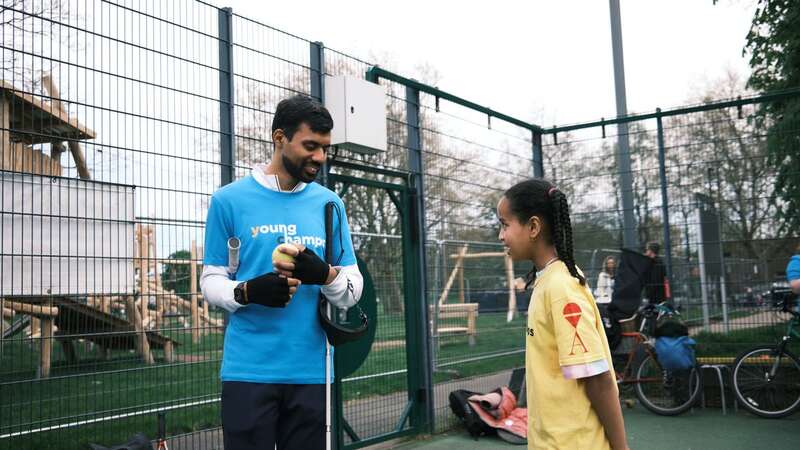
<point x="139" y="441"/>
<point x="460" y="406"/>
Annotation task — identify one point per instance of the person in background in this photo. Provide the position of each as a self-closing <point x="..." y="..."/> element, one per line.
<point x="605" y="280"/>
<point x="655" y="278"/>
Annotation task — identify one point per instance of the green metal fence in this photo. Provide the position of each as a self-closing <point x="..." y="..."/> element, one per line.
<point x="119" y="119"/>
<point x="704" y="188"/>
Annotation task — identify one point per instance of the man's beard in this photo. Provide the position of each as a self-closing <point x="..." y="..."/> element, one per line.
<point x="297" y="170"/>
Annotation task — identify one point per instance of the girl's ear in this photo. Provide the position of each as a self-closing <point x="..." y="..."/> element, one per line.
<point x="534" y="228"/>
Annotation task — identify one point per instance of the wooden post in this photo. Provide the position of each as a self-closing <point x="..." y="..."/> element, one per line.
<point x="144" y="268"/>
<point x="140" y="340"/>
<point x="74" y="146"/>
<point x="449" y="284"/>
<point x="159" y="300"/>
<point x="47" y="342"/>
<point x="169" y="352"/>
<point x="200" y="256"/>
<point x="512" y="297"/>
<point x="138" y="317"/>
<point x="36" y="327"/>
<point x="80" y="162"/>
<point x="461" y="282"/>
<point x="5" y="133"/>
<point x="472" y="329"/>
<point x="193" y="294"/>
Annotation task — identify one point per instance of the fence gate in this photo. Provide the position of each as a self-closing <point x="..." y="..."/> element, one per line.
<point x="386" y="397"/>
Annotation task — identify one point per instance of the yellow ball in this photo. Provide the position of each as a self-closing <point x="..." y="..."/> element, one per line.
<point x="277" y="255"/>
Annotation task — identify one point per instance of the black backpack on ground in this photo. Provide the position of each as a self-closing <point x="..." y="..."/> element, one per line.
<point x="463" y="410"/>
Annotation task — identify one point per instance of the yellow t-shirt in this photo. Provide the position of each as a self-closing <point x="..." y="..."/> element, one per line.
<point x="564" y="330"/>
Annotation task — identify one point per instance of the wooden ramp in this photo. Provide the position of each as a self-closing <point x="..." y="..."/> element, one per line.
<point x="79" y="321"/>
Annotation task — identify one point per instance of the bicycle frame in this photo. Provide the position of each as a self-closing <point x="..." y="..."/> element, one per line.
<point x="791" y="332"/>
<point x="641" y="339"/>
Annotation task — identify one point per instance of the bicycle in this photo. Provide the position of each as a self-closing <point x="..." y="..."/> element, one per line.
<point x="766" y="379"/>
<point x="664" y="392"/>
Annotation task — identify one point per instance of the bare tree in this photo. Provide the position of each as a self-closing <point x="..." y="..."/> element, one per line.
<point x="736" y="172"/>
<point x="27" y="26"/>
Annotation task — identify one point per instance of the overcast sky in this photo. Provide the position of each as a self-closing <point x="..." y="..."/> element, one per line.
<point x="547" y="61"/>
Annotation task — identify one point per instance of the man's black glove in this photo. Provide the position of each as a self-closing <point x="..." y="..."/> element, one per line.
<point x="269" y="289"/>
<point x="309" y="268"/>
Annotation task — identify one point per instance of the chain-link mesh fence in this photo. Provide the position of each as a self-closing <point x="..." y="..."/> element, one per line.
<point x="115" y="129"/>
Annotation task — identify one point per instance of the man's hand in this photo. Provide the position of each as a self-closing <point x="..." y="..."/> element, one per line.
<point x="271" y="290"/>
<point x="307" y="266"/>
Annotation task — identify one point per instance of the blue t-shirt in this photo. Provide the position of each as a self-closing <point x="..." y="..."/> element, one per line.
<point x="793" y="269"/>
<point x="274" y="345"/>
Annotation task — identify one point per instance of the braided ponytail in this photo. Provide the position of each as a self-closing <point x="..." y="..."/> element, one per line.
<point x="538" y="197"/>
<point x="562" y="233"/>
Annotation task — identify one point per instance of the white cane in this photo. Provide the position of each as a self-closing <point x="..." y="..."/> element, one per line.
<point x="329" y="258"/>
<point x="328" y="389"/>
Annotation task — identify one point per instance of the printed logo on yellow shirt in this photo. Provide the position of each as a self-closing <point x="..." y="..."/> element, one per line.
<point x="572" y="312"/>
<point x="530" y="331"/>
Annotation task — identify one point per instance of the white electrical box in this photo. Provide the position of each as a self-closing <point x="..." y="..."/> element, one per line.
<point x="358" y="109"/>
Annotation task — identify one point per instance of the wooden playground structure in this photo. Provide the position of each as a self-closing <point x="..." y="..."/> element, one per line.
<point x="114" y="320"/>
<point x="463" y="310"/>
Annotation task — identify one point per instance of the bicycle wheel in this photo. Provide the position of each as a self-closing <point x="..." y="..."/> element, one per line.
<point x="665" y="392"/>
<point x="764" y="395"/>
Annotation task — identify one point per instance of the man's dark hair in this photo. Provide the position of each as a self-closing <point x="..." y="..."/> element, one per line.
<point x="654" y="247"/>
<point x="298" y="109"/>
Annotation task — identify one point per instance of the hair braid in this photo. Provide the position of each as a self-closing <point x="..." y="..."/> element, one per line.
<point x="562" y="234"/>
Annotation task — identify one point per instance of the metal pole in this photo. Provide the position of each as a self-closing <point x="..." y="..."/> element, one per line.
<point x="227" y="148"/>
<point x="415" y="163"/>
<point x="701" y="255"/>
<point x="317" y="76"/>
<point x="662" y="175"/>
<point x="538" y="160"/>
<point x="629" y="238"/>
<point x="226" y="97"/>
<point x="722" y="290"/>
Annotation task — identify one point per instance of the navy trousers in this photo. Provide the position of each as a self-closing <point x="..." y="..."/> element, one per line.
<point x="263" y="416"/>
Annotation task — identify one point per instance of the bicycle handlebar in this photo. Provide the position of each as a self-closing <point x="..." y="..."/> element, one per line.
<point x="784" y="298"/>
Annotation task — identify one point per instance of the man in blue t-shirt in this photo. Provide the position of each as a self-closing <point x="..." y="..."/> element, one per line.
<point x="273" y="363"/>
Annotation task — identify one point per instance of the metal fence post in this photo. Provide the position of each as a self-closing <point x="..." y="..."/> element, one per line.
<point x="662" y="175"/>
<point x="227" y="135"/>
<point x="226" y="97"/>
<point x="538" y="161"/>
<point x="415" y="162"/>
<point x="317" y="76"/>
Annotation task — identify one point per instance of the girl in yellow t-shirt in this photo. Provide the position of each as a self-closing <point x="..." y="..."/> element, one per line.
<point x="573" y="401"/>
